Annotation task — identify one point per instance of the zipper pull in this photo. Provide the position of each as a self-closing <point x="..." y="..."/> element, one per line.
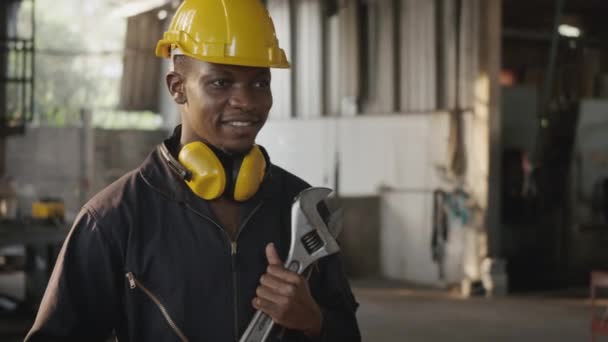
<point x="233" y="248"/>
<point x="131" y="279"/>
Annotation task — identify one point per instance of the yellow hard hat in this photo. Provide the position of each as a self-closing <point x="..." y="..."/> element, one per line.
<point x="237" y="32"/>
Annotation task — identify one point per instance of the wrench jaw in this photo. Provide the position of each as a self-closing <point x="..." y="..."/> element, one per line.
<point x="311" y="238"/>
<point x="336" y="222"/>
<point x="308" y="199"/>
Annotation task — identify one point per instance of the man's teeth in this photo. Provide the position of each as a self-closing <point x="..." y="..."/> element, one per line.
<point x="240" y="123"/>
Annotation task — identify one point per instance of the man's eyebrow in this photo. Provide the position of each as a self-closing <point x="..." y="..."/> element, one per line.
<point x="217" y="72"/>
<point x="262" y="73"/>
<point x="226" y="72"/>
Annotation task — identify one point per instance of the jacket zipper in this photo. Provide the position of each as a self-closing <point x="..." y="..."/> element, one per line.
<point x="235" y="295"/>
<point x="233" y="255"/>
<point x="134" y="283"/>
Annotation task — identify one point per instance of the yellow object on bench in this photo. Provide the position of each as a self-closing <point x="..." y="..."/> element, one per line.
<point x="48" y="209"/>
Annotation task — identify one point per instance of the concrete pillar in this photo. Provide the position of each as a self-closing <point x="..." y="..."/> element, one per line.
<point x="469" y="79"/>
<point x="490" y="64"/>
<point x="487" y="108"/>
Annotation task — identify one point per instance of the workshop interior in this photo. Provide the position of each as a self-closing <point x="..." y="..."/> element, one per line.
<point x="465" y="142"/>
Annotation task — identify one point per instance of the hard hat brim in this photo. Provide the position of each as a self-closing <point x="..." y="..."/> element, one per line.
<point x="164" y="48"/>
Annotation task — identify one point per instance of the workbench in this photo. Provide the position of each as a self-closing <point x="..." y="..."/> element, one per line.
<point x="34" y="233"/>
<point x="42" y="242"/>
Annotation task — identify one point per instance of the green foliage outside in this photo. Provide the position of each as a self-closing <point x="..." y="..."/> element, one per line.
<point x="78" y="63"/>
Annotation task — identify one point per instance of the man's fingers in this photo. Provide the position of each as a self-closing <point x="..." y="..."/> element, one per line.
<point x="272" y="281"/>
<point x="270" y="295"/>
<point x="265" y="306"/>
<point x="275" y="266"/>
<point x="278" y="285"/>
<point x="272" y="255"/>
<point x="283" y="274"/>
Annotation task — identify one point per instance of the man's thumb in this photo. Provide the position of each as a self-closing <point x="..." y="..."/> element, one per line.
<point x="272" y="255"/>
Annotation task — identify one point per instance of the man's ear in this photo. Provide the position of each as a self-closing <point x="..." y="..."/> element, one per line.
<point x="176" y="83"/>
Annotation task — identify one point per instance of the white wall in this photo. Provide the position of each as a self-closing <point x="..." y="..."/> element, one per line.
<point x="400" y="152"/>
<point x="396" y="151"/>
<point x="403" y="153"/>
<point x="405" y="242"/>
<point x="405" y="238"/>
<point x="304" y="147"/>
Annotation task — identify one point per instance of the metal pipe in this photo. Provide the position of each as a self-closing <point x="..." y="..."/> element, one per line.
<point x="548" y="88"/>
<point x="549" y="76"/>
<point x="544" y="36"/>
<point x="548" y="84"/>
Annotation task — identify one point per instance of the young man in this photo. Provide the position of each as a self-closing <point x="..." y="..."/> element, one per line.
<point x="190" y="244"/>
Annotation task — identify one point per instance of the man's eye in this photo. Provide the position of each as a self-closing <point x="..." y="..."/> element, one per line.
<point x="221" y="83"/>
<point x="262" y="84"/>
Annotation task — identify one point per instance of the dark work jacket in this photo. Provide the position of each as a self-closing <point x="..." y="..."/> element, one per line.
<point x="147" y="260"/>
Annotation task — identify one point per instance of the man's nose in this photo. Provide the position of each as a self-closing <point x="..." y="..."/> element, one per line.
<point x="242" y="98"/>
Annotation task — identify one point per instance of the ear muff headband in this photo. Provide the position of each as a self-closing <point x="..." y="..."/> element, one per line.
<point x="174" y="164"/>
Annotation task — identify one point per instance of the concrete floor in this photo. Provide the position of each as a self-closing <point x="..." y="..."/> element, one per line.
<point x="396" y="313"/>
<point x="399" y="314"/>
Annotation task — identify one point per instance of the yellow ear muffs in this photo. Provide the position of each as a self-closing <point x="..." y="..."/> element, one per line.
<point x="208" y="178"/>
<point x="250" y="174"/>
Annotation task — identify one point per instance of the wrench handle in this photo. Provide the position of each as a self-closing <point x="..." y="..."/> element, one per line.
<point x="259" y="328"/>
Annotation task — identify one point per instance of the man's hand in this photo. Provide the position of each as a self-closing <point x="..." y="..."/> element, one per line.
<point x="285" y="297"/>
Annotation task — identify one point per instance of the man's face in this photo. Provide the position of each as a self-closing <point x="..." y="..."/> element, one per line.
<point x="225" y="105"/>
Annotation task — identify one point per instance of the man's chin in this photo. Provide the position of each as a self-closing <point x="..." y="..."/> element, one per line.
<point x="237" y="148"/>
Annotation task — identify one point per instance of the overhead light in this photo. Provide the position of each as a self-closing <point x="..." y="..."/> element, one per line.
<point x="569" y="31"/>
<point x="162" y="14"/>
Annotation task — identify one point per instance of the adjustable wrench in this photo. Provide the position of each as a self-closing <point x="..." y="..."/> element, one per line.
<point x="311" y="240"/>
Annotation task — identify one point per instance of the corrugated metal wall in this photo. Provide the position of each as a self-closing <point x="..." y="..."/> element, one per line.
<point x="470" y="38"/>
<point x="379" y="88"/>
<point x="308" y="57"/>
<point x="349" y="57"/>
<point x="376" y="56"/>
<point x="418" y="58"/>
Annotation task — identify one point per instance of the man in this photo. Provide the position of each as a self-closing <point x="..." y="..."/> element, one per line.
<point x="190" y="244"/>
